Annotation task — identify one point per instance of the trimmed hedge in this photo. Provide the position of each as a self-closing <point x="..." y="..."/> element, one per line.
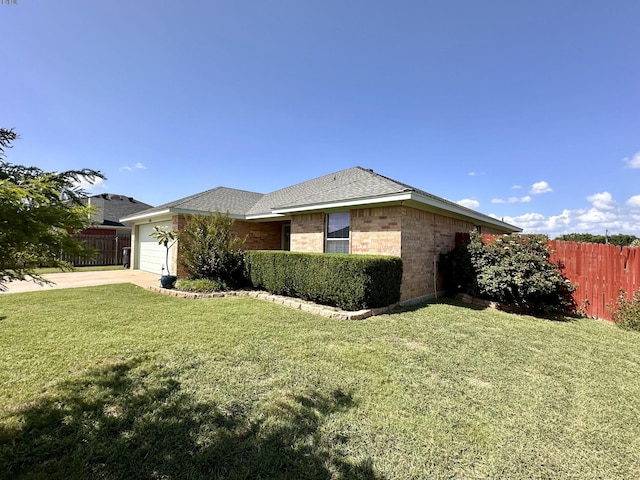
<point x="350" y="282"/>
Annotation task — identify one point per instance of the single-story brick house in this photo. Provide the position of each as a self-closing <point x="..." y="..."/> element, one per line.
<point x="353" y="211"/>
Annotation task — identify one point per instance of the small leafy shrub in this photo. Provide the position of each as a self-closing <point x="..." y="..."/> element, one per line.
<point x="511" y="269"/>
<point x="626" y="312"/>
<point x="200" y="285"/>
<point x="209" y="250"/>
<point x="350" y="282"/>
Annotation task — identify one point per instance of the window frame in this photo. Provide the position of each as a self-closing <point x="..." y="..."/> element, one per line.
<point x="336" y="241"/>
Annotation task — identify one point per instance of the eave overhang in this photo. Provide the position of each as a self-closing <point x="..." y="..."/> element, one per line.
<point x="409" y="199"/>
<point x="136" y="218"/>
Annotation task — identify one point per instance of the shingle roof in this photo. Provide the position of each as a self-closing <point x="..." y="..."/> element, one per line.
<point x="119" y="206"/>
<point x="236" y="202"/>
<point x="350" y="185"/>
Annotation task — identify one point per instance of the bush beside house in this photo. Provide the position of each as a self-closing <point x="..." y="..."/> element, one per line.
<point x="210" y="251"/>
<point x="511" y="269"/>
<point x="350" y="282"/>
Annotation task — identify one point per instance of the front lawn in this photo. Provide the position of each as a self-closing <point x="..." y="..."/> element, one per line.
<point x="117" y="382"/>
<point x="87" y="268"/>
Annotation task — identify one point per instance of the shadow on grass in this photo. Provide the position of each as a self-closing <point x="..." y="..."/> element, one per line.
<point x="552" y="316"/>
<point x="130" y="420"/>
<point x="436" y="301"/>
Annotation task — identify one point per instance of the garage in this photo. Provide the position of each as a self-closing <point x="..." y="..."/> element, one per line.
<point x="151" y="255"/>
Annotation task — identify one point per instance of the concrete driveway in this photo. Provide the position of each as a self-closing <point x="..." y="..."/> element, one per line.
<point x="86" y="279"/>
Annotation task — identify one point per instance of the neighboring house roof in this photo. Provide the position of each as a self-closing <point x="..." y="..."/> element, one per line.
<point x="111" y="208"/>
<point x="352" y="187"/>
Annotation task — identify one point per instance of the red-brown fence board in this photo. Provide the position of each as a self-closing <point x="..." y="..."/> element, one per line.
<point x="599" y="272"/>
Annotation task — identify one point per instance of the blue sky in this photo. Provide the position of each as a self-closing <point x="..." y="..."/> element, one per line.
<point x="528" y="110"/>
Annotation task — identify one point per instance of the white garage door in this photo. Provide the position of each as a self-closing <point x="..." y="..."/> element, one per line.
<point x="151" y="256"/>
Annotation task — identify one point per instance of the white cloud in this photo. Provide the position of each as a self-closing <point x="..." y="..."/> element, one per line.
<point x="634" y="202"/>
<point x="633" y="162"/>
<point x="525" y="199"/>
<point x="137" y="166"/>
<point x="604" y="214"/>
<point x="593" y="215"/>
<point x="516" y="187"/>
<point x="98" y="184"/>
<point x="469" y="203"/>
<point x="540" y="187"/>
<point x="603" y="201"/>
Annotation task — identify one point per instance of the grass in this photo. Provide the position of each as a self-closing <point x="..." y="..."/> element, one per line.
<point x="117" y="382"/>
<point x="88" y="268"/>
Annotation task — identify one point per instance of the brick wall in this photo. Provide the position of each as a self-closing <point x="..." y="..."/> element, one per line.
<point x="179" y="221"/>
<point x="376" y="231"/>
<point x="417" y="253"/>
<point x="260" y="236"/>
<point x="307" y="233"/>
<point x="425" y="235"/>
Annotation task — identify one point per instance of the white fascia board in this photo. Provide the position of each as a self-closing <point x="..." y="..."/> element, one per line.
<point x="171" y="211"/>
<point x="143" y="216"/>
<point x="264" y="216"/>
<point x="433" y="202"/>
<point x="345" y="203"/>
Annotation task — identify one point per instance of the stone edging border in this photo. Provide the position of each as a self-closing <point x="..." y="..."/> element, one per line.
<point x="296" y="304"/>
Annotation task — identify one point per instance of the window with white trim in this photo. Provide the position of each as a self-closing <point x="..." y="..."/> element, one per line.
<point x="337" y="233"/>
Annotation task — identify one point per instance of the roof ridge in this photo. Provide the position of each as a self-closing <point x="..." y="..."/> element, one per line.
<point x="396" y="182"/>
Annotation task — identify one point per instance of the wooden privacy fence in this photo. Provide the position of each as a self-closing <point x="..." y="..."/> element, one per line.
<point x="598" y="272"/>
<point x="109" y="249"/>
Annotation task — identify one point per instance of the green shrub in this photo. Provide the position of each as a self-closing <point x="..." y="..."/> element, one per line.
<point x="626" y="312"/>
<point x="515" y="270"/>
<point x="199" y="285"/>
<point x="511" y="269"/>
<point x="350" y="282"/>
<point x="209" y="250"/>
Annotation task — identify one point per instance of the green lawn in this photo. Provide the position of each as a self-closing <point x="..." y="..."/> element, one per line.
<point x="88" y="268"/>
<point x="118" y="382"/>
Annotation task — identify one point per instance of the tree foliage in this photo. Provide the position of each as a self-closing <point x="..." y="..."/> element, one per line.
<point x="39" y="211"/>
<point x="620" y="239"/>
<point x="209" y="250"/>
<point x="167" y="238"/>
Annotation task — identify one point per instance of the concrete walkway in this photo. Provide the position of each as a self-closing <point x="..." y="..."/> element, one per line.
<point x="86" y="279"/>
